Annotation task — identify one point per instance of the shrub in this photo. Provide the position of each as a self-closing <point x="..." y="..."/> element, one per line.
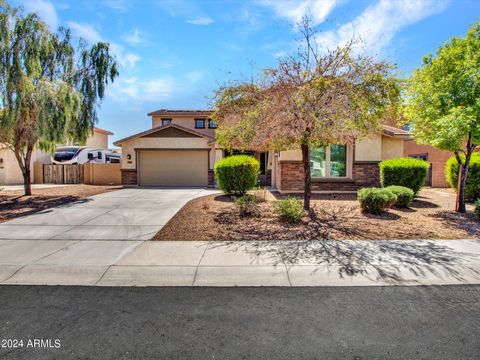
<point x="247" y="205"/>
<point x="375" y="200"/>
<point x="477" y="208"/>
<point x="404" y="195"/>
<point x="408" y="172"/>
<point x="237" y="174"/>
<point x="289" y="209"/>
<point x="472" y="187"/>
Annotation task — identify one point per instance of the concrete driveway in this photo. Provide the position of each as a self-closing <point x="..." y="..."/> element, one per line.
<point x="127" y="214"/>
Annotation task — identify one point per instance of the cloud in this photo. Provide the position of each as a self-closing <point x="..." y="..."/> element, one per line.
<point x="294" y="10"/>
<point x="201" y="20"/>
<point x="85" y="31"/>
<point x="136" y="38"/>
<point x="45" y="10"/>
<point x="380" y="22"/>
<point x="90" y="34"/>
<point x="119" y="5"/>
<point x="159" y="89"/>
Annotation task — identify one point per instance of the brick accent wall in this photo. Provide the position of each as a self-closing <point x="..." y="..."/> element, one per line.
<point x="129" y="177"/>
<point x="364" y="174"/>
<point x="211" y="178"/>
<point x="437" y="158"/>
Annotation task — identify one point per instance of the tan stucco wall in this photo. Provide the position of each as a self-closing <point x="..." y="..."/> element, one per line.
<point x="185" y="121"/>
<point x="392" y="147"/>
<point x="102" y="174"/>
<point x="369" y="148"/>
<point x="98" y="140"/>
<point x="10" y="172"/>
<point x="128" y="148"/>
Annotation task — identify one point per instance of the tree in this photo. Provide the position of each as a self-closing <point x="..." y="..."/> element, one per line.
<point x="310" y="99"/>
<point x="442" y="101"/>
<point x="49" y="91"/>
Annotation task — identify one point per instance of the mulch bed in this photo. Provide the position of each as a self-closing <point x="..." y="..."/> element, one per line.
<point x="334" y="217"/>
<point x="14" y="204"/>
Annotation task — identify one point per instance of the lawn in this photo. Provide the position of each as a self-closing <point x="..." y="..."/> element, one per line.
<point x="14" y="204"/>
<point x="335" y="217"/>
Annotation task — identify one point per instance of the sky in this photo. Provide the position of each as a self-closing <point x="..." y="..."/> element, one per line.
<point x="174" y="53"/>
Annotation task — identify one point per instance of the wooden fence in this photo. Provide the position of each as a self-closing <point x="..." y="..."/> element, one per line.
<point x="90" y="174"/>
<point x="62" y="174"/>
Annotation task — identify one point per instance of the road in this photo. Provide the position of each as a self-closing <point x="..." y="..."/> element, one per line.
<point x="242" y="323"/>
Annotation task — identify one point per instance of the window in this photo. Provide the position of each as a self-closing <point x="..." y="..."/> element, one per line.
<point x="212" y="124"/>
<point x="329" y="162"/>
<point x="166" y="122"/>
<point x="199" y="123"/>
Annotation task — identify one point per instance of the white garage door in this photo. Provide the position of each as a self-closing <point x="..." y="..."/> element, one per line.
<point x="173" y="167"/>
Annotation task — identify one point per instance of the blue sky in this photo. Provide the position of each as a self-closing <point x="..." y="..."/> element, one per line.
<point x="174" y="53"/>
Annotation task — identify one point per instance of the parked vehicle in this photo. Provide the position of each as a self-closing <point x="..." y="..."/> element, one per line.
<point x="82" y="155"/>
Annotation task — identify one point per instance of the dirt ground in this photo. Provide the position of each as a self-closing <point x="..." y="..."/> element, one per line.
<point x="14" y="204"/>
<point x="335" y="217"/>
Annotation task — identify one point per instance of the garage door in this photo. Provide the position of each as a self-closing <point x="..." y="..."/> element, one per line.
<point x="173" y="167"/>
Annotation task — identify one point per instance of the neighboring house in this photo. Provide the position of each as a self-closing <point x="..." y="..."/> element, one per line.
<point x="99" y="139"/>
<point x="436" y="157"/>
<point x="180" y="150"/>
<point x="10" y="172"/>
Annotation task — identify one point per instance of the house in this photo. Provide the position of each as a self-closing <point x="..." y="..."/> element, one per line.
<point x="180" y="150"/>
<point x="437" y="158"/>
<point x="99" y="139"/>
<point x="10" y="172"/>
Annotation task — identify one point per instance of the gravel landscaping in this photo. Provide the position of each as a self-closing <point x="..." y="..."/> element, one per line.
<point x="14" y="204"/>
<point x="334" y="217"/>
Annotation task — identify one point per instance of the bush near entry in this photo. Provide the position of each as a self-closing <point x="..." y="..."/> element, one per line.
<point x="375" y="200"/>
<point x="472" y="187"/>
<point x="407" y="172"/>
<point x="404" y="195"/>
<point x="289" y="209"/>
<point x="237" y="174"/>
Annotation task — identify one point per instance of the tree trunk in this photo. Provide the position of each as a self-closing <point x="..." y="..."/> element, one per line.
<point x="307" y="194"/>
<point x="24" y="163"/>
<point x="461" y="206"/>
<point x="27" y="182"/>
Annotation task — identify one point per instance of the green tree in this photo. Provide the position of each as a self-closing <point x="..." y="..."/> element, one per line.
<point x="310" y="99"/>
<point x="49" y="90"/>
<point x="442" y="101"/>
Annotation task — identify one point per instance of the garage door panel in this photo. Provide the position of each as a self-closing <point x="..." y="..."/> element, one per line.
<point x="173" y="167"/>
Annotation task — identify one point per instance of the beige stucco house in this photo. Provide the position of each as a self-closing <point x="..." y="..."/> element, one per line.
<point x="180" y="150"/>
<point x="10" y="172"/>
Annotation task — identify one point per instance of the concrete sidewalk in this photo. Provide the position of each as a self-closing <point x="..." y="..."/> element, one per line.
<point x="253" y="263"/>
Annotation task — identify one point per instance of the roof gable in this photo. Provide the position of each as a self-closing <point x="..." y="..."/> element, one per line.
<point x="172" y="131"/>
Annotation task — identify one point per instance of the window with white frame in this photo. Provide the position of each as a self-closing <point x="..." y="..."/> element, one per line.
<point x="328" y="161"/>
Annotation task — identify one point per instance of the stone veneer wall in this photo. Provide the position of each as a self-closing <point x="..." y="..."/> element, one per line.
<point x="211" y="178"/>
<point x="364" y="174"/>
<point x="129" y="177"/>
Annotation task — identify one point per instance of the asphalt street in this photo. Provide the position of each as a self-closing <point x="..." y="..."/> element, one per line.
<point x="240" y="323"/>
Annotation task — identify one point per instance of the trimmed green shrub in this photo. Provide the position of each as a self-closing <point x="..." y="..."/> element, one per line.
<point x="408" y="172"/>
<point x="472" y="187"/>
<point x="247" y="205"/>
<point x="237" y="174"/>
<point x="289" y="209"/>
<point x="477" y="208"/>
<point x="375" y="200"/>
<point x="404" y="195"/>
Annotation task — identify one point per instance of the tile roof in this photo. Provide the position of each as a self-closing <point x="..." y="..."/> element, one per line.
<point x="158" y="128"/>
<point x="167" y="112"/>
